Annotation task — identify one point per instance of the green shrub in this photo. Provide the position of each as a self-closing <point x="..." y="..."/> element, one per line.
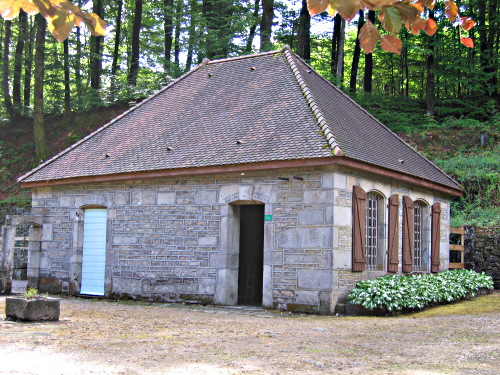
<point x="397" y="292"/>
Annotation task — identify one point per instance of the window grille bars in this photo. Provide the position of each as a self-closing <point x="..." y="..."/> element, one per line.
<point x="418" y="239"/>
<point x="372" y="230"/>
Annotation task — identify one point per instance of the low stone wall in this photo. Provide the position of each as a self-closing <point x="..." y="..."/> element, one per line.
<point x="482" y="253"/>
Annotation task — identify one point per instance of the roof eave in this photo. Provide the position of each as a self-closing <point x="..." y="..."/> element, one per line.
<point x="257" y="166"/>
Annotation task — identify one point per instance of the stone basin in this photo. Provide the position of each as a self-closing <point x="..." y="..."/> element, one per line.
<point x="34" y="309"/>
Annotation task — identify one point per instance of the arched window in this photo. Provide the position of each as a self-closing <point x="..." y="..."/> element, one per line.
<point x="421" y="236"/>
<point x="374" y="231"/>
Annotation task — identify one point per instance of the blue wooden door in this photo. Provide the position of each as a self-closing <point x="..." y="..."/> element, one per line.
<point x="94" y="252"/>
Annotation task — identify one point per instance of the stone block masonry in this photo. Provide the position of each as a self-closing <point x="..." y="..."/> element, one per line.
<point x="482" y="253"/>
<point x="177" y="239"/>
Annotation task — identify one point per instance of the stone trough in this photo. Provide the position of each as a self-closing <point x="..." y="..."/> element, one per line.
<point x="36" y="309"/>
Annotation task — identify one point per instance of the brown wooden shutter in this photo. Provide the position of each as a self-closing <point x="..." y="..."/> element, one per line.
<point x="408" y="234"/>
<point x="358" y="228"/>
<point x="436" y="234"/>
<point x="393" y="245"/>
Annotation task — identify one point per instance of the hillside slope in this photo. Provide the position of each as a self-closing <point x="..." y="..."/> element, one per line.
<point x="467" y="149"/>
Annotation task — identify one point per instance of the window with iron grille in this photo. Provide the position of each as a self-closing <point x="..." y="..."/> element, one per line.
<point x="421" y="237"/>
<point x="417" y="252"/>
<point x="374" y="231"/>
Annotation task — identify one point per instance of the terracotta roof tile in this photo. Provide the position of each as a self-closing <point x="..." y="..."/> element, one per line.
<point x="256" y="108"/>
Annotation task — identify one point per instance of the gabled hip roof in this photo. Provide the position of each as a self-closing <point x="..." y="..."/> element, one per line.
<point x="259" y="111"/>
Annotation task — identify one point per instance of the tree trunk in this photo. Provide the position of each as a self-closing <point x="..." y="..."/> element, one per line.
<point x="18" y="60"/>
<point x="493" y="66"/>
<point x="356" y="55"/>
<point x="96" y="51"/>
<point x="340" y="64"/>
<point x="168" y="28"/>
<point x="430" y="94"/>
<point x="5" y="76"/>
<point x="253" y="27"/>
<point x="136" y="30"/>
<point x="41" y="147"/>
<point x="28" y="66"/>
<point x="177" y="42"/>
<point x="367" y="84"/>
<point x="193" y="9"/>
<point x="118" y="31"/>
<point x="304" y="37"/>
<point x="67" y="90"/>
<point x="78" y="63"/>
<point x="337" y="55"/>
<point x="266" y="25"/>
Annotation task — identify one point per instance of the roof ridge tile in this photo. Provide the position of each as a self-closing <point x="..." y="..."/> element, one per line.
<point x="249" y="56"/>
<point x="380" y="123"/>
<point x="320" y="118"/>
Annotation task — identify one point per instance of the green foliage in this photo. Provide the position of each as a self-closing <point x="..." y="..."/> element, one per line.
<point x="397" y="292"/>
<point x="14" y="205"/>
<point x="480" y="176"/>
<point x="32" y="293"/>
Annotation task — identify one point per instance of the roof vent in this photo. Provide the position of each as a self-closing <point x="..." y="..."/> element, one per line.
<point x="253" y="68"/>
<point x="210" y="75"/>
<point x="106" y="156"/>
<point x="309" y="71"/>
<point x="239" y="142"/>
<point x="169" y="148"/>
<point x="401" y="161"/>
<point x="206" y="60"/>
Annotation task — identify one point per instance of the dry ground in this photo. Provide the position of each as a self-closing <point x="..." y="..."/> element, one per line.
<point x="102" y="337"/>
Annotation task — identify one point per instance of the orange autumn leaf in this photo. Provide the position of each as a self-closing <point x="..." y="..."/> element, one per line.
<point x="391" y="43"/>
<point x="29" y="7"/>
<point x="468" y="42"/>
<point x="430" y="27"/>
<point x="418" y="25"/>
<point x="409" y="11"/>
<point x="317" y="6"/>
<point x="467" y="23"/>
<point x="368" y="37"/>
<point x="9" y="9"/>
<point x="346" y="8"/>
<point x="451" y="10"/>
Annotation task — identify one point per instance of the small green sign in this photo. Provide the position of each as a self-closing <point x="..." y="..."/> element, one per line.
<point x="268" y="217"/>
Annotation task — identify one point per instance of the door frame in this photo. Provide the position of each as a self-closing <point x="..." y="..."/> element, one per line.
<point x="226" y="290"/>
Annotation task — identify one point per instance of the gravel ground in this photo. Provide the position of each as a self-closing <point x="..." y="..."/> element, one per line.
<point x="103" y="337"/>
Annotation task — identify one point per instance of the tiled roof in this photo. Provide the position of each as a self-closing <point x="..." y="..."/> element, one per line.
<point x="258" y="108"/>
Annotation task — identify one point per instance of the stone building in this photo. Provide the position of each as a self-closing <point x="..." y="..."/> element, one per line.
<point x="249" y="180"/>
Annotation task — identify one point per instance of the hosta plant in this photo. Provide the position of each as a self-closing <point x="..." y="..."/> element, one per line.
<point x="397" y="292"/>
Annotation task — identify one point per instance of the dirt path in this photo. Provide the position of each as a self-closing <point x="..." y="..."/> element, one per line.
<point x="100" y="337"/>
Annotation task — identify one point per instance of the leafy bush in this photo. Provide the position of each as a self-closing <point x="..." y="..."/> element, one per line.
<point x="397" y="292"/>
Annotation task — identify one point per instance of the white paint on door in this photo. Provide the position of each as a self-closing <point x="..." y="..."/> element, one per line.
<point x="94" y="252"/>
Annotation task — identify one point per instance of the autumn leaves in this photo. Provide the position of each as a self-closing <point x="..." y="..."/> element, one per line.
<point x="61" y="15"/>
<point x="393" y="14"/>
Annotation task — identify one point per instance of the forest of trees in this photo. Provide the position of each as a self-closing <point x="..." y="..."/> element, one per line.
<point x="149" y="43"/>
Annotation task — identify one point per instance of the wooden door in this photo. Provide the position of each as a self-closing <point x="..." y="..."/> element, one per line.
<point x="94" y="252"/>
<point x="251" y="261"/>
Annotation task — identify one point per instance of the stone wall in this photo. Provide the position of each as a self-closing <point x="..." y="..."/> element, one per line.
<point x="176" y="239"/>
<point x="482" y="253"/>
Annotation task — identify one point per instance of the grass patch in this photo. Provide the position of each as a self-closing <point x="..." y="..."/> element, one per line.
<point x="489" y="303"/>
